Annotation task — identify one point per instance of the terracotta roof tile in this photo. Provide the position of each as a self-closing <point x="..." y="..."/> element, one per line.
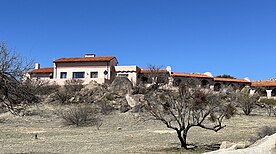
<point x="264" y="84"/>
<point x="43" y="70"/>
<point x="231" y="80"/>
<point x="177" y="74"/>
<point x="85" y="59"/>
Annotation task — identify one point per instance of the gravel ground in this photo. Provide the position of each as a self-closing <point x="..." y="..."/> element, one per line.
<point x="17" y="134"/>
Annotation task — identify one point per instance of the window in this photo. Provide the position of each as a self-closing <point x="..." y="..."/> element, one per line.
<point x="51" y="75"/>
<point x="93" y="74"/>
<point x="77" y="75"/>
<point x="123" y="75"/>
<point x="63" y="75"/>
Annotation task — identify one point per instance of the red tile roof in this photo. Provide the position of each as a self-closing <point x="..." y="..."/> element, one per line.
<point x="85" y="59"/>
<point x="43" y="70"/>
<point x="264" y="84"/>
<point x="231" y="80"/>
<point x="152" y="71"/>
<point x="177" y="74"/>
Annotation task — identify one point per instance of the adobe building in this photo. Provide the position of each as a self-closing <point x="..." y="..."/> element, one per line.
<point x="87" y="68"/>
<point x="104" y="69"/>
<point x="266" y="88"/>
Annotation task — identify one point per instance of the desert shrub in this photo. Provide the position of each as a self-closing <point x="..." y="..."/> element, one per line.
<point x="41" y="87"/>
<point x="270" y="106"/>
<point x="2" y="108"/>
<point x="73" y="85"/>
<point x="104" y="107"/>
<point x="138" y="90"/>
<point x="70" y="89"/>
<point x="2" y="120"/>
<point x="247" y="101"/>
<point x="80" y="115"/>
<point x="266" y="131"/>
<point x="262" y="132"/>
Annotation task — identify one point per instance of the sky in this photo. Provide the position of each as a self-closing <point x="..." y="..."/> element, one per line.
<point x="236" y="37"/>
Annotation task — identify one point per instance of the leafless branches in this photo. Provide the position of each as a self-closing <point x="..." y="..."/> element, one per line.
<point x="13" y="94"/>
<point x="189" y="107"/>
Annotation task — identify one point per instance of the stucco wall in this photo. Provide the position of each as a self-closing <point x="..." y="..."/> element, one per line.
<point x="87" y="68"/>
<point x="131" y="71"/>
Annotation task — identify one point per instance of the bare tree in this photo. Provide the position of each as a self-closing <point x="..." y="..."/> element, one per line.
<point x="156" y="76"/>
<point x="270" y="106"/>
<point x="189" y="107"/>
<point x="247" y="101"/>
<point x="12" y="92"/>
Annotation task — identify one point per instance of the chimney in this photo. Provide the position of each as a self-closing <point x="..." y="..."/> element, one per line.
<point x="37" y="66"/>
<point x="90" y="55"/>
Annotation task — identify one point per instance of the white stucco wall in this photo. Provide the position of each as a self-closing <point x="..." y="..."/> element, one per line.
<point x="87" y="68"/>
<point x="131" y="71"/>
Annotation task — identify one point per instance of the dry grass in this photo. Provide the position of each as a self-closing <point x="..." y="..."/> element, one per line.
<point x="17" y="135"/>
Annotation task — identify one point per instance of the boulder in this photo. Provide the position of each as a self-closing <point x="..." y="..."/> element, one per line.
<point x="121" y="86"/>
<point x="226" y="145"/>
<point x="266" y="145"/>
<point x="131" y="101"/>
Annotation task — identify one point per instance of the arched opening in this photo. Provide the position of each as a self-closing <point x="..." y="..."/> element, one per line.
<point x="273" y="92"/>
<point x="217" y="87"/>
<point x="242" y="86"/>
<point x="177" y="81"/>
<point x="146" y="79"/>
<point x="262" y="92"/>
<point x="233" y="86"/>
<point x="204" y="84"/>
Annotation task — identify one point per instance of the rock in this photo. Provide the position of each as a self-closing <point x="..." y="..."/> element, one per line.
<point x="92" y="92"/>
<point x="71" y="99"/>
<point x="124" y="108"/>
<point x="265" y="145"/>
<point x="226" y="145"/>
<point x="119" y="128"/>
<point x="242" y="145"/>
<point x="121" y="86"/>
<point x="131" y="101"/>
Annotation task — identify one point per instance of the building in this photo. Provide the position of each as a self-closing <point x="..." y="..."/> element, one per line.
<point x="130" y="72"/>
<point x="266" y="88"/>
<point x="87" y="68"/>
<point x="208" y="81"/>
<point x="104" y="69"/>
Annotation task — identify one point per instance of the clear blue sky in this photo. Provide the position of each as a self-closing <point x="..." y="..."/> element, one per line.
<point x="236" y="37"/>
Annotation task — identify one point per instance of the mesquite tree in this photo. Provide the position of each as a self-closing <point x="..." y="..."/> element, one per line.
<point x="190" y="106"/>
<point x="13" y="92"/>
<point x="247" y="101"/>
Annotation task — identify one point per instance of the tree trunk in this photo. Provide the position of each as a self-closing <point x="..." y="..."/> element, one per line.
<point x="182" y="139"/>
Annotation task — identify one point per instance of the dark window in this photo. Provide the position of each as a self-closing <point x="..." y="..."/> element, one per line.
<point x="217" y="87"/>
<point x="204" y="84"/>
<point x="93" y="74"/>
<point x="273" y="92"/>
<point x="51" y="76"/>
<point x="78" y="75"/>
<point x="63" y="75"/>
<point x="123" y="75"/>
